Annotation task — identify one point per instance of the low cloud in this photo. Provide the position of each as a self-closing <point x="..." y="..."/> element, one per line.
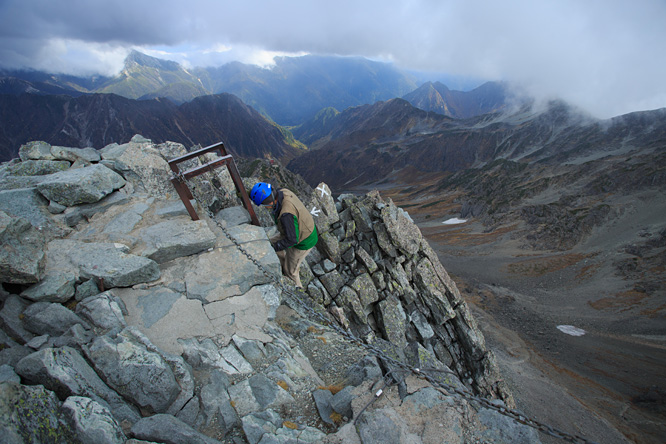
<point x="606" y="56"/>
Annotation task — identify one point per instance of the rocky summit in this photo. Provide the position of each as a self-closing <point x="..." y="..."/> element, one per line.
<point x="125" y="321"/>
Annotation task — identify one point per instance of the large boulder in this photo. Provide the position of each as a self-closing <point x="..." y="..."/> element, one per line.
<point x="31" y="414"/>
<point x="207" y="354"/>
<point x="138" y="374"/>
<point x="29" y="204"/>
<point x="104" y="310"/>
<point x="80" y="185"/>
<point x="432" y="291"/>
<point x="366" y="290"/>
<point x="258" y="393"/>
<point x="216" y="404"/>
<point x="46" y="318"/>
<point x="392" y="321"/>
<point x="54" y="288"/>
<point x="36" y="150"/>
<point x="11" y="319"/>
<point x="402" y="229"/>
<point x="92" y="422"/>
<point x="329" y="246"/>
<point x="22" y="257"/>
<point x="142" y="164"/>
<point x="64" y="371"/>
<point x="75" y="154"/>
<point x="74" y="215"/>
<point x="109" y="264"/>
<point x="168" y="429"/>
<point x="38" y="167"/>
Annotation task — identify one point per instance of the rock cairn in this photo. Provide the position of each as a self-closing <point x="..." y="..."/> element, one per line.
<point x="124" y="321"/>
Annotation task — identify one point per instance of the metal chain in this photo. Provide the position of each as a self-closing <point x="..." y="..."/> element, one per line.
<point x="420" y="373"/>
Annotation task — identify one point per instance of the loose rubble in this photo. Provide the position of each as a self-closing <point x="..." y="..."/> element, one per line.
<point x="124" y="321"/>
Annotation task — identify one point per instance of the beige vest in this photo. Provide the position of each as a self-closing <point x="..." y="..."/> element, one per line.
<point x="292" y="205"/>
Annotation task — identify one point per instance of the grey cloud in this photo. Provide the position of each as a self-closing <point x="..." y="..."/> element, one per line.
<point x="605" y="55"/>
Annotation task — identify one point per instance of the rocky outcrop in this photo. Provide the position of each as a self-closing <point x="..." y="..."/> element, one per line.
<point x="138" y="324"/>
<point x="390" y="284"/>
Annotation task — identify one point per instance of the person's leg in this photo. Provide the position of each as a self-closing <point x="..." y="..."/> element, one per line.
<point x="290" y="260"/>
<point x="282" y="255"/>
<point x="293" y="259"/>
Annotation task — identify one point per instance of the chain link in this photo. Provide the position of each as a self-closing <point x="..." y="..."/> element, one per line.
<point x="450" y="390"/>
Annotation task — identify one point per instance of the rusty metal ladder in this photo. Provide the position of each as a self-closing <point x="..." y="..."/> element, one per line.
<point x="184" y="192"/>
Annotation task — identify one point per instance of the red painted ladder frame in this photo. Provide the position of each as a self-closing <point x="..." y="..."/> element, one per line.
<point x="225" y="159"/>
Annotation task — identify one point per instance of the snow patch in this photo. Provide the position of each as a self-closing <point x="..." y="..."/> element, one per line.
<point x="571" y="330"/>
<point x="454" y="221"/>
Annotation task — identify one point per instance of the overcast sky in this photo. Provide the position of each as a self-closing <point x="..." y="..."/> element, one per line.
<point x="606" y="56"/>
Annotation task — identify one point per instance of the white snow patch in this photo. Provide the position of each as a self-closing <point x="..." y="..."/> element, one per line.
<point x="454" y="221"/>
<point x="571" y="330"/>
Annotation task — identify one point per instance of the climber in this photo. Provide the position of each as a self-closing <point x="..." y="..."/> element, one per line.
<point x="297" y="230"/>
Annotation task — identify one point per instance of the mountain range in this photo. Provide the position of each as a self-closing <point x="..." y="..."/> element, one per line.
<point x="367" y="143"/>
<point x="499" y="161"/>
<point x="162" y="96"/>
<point x="100" y="119"/>
<point x="290" y="92"/>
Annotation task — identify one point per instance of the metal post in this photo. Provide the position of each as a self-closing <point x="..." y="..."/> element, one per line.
<point x="226" y="159"/>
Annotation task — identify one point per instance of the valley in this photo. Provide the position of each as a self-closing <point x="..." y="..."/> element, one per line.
<point x="564" y="234"/>
<point x="606" y="385"/>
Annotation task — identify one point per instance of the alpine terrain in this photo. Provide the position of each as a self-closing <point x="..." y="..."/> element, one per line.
<point x="553" y="224"/>
<point x="124" y="320"/>
<point x="482" y="258"/>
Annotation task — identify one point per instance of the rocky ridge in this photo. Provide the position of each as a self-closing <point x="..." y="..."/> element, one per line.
<point x="125" y="321"/>
<point x="101" y="119"/>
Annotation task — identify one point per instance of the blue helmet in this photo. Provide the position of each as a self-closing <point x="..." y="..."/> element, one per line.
<point x="260" y="191"/>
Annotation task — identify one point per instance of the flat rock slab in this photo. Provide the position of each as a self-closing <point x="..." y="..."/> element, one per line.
<point x="242" y="315"/>
<point x="126" y="221"/>
<point x="80" y="185"/>
<point x="106" y="262"/>
<point x="165" y="316"/>
<point x="172" y="239"/>
<point x="225" y="271"/>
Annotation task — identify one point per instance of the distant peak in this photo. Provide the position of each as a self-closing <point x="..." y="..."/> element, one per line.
<point x="138" y="58"/>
